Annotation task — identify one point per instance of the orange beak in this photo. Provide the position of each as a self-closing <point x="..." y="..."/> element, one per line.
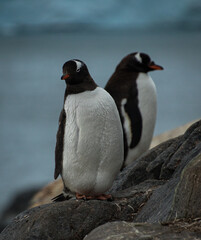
<point x="155" y="67"/>
<point x="64" y="77"/>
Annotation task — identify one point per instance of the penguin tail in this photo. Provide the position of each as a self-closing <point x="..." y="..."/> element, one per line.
<point x="59" y="198"/>
<point x="65" y="195"/>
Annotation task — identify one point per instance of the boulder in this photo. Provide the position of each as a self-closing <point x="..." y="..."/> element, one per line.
<point x="74" y="219"/>
<point x="122" y="230"/>
<point x="161" y="186"/>
<point x="182" y="154"/>
<point x="185" y="203"/>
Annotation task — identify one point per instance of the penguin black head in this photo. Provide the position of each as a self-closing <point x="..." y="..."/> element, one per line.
<point x="138" y="62"/>
<point x="74" y="72"/>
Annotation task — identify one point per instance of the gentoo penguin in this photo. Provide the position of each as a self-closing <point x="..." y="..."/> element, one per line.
<point x="89" y="150"/>
<point x="135" y="95"/>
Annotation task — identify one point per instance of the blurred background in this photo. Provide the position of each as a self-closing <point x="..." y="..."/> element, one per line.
<point x="37" y="37"/>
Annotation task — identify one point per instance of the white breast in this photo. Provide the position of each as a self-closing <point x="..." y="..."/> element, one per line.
<point x="93" y="142"/>
<point x="148" y="107"/>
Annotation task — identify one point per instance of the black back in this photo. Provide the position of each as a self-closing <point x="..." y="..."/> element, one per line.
<point x="123" y="84"/>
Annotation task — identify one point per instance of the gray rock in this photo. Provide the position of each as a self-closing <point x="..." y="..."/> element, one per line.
<point x="161" y="161"/>
<point x="139" y="231"/>
<point x="161" y="186"/>
<point x="137" y="172"/>
<point x="162" y="205"/>
<point x="186" y="202"/>
<point x="74" y="219"/>
<point x="65" y="220"/>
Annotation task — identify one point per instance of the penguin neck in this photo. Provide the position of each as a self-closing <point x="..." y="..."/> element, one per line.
<point x="87" y="85"/>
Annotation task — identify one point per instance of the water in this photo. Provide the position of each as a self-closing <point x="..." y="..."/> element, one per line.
<point x="31" y="93"/>
<point x="50" y="15"/>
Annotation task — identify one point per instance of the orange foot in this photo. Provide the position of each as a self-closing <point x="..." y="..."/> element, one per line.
<point x="107" y="197"/>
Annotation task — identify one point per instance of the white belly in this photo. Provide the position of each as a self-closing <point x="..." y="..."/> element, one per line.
<point x="93" y="142"/>
<point x="148" y="108"/>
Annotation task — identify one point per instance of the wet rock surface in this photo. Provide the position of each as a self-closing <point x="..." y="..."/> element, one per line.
<point x="161" y="186"/>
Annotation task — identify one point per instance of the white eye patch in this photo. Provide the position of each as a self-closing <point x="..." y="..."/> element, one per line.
<point x="137" y="56"/>
<point x="78" y="64"/>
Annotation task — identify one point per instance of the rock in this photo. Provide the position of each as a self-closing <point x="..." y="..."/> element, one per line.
<point x="137" y="171"/>
<point x="164" y="206"/>
<point x="144" y="231"/>
<point x="64" y="220"/>
<point x="175" y="154"/>
<point x="160" y="186"/>
<point x="161" y="162"/>
<point x="74" y="219"/>
<point x="186" y="205"/>
<point x="173" y="162"/>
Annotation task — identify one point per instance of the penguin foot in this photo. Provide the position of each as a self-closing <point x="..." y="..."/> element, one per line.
<point x="107" y="197"/>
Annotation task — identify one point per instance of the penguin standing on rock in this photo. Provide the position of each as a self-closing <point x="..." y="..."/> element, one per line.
<point x="89" y="149"/>
<point x="135" y="95"/>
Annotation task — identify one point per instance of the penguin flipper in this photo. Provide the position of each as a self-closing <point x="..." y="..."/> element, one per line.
<point x="59" y="145"/>
<point x="134" y="115"/>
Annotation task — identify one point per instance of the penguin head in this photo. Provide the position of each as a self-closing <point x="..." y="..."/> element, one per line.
<point x="139" y="62"/>
<point x="74" y="71"/>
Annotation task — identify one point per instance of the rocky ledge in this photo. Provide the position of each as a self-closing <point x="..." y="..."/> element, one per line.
<point x="157" y="197"/>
